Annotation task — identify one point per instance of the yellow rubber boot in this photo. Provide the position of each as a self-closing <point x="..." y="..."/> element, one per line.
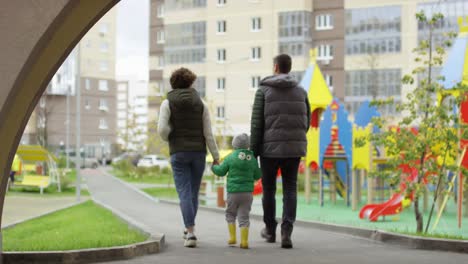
<point x="232" y="234"/>
<point x="244" y="237"/>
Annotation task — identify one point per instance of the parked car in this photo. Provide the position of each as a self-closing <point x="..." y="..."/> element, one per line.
<point x="153" y="160"/>
<point x="133" y="157"/>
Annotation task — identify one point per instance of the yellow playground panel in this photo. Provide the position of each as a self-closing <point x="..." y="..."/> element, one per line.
<point x="32" y="155"/>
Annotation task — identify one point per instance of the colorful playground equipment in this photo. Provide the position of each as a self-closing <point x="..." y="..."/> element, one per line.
<point x="455" y="71"/>
<point x="33" y="172"/>
<point x="333" y="154"/>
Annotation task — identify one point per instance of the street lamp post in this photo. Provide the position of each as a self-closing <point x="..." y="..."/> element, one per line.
<point x="78" y="126"/>
<point x="67" y="134"/>
<point x="102" y="154"/>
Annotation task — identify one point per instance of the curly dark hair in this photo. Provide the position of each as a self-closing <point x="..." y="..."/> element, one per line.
<point x="182" y="78"/>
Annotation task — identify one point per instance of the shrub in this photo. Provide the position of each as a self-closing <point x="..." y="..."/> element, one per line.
<point x="123" y="165"/>
<point x="62" y="162"/>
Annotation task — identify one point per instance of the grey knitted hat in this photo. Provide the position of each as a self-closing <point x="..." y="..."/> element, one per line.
<point x="241" y="141"/>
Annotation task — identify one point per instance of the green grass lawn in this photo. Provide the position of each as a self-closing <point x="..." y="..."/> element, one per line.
<point x="156" y="178"/>
<point x="83" y="226"/>
<point x="162" y="193"/>
<point x="48" y="192"/>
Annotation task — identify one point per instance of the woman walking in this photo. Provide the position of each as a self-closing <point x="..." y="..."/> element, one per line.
<point x="184" y="121"/>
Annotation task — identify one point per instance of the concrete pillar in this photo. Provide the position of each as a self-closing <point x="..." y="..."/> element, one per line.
<point x="36" y="36"/>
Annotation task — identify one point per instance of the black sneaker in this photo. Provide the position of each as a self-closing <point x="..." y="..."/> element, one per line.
<point x="190" y="241"/>
<point x="269" y="237"/>
<point x="185" y="234"/>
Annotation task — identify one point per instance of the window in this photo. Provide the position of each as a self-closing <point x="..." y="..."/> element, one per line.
<point x="255" y="82"/>
<point x="294" y="32"/>
<point x="87" y="84"/>
<point x="325" y="52"/>
<point x="104" y="28"/>
<point x="104" y="66"/>
<point x="221" y="84"/>
<point x="220" y="112"/>
<point x="188" y="47"/>
<point x="376" y="30"/>
<point x="103" y="85"/>
<point x="221" y="55"/>
<point x="221" y="2"/>
<point x="256" y="24"/>
<point x="103" y="124"/>
<point x="160" y="62"/>
<point x="103" y="105"/>
<point x="324" y="22"/>
<point x="160" y="10"/>
<point x="256" y="53"/>
<point x="329" y="81"/>
<point x="221" y="27"/>
<point x="87" y="104"/>
<point x="160" y="37"/>
<point x="104" y="47"/>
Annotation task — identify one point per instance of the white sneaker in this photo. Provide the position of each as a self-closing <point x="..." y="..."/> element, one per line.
<point x="190" y="241"/>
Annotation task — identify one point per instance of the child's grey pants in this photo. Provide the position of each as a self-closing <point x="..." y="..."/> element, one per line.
<point x="239" y="205"/>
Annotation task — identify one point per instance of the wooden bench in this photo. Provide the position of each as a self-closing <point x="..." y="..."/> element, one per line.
<point x="35" y="181"/>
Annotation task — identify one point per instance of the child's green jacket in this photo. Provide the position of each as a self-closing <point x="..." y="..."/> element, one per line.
<point x="243" y="170"/>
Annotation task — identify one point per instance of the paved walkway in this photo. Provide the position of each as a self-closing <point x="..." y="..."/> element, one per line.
<point x="22" y="207"/>
<point x="311" y="245"/>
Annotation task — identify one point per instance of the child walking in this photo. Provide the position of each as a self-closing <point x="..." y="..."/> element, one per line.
<point x="243" y="171"/>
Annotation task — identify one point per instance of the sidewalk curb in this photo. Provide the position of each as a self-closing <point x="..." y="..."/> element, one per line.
<point x="408" y="241"/>
<point x="85" y="255"/>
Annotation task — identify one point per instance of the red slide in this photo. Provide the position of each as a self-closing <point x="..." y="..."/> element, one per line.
<point x="391" y="207"/>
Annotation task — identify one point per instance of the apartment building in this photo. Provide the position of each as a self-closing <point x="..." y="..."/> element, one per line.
<point x="364" y="47"/>
<point x="230" y="45"/>
<point x="93" y="62"/>
<point x="132" y="114"/>
<point x="380" y="37"/>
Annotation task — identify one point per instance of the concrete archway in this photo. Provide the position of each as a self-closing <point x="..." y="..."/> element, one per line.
<point x="36" y="36"/>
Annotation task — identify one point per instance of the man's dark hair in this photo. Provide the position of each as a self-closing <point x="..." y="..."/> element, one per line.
<point x="284" y="63"/>
<point x="182" y="78"/>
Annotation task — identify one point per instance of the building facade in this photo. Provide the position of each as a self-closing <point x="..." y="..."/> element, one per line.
<point x="93" y="63"/>
<point x="230" y="45"/>
<point x="328" y="37"/>
<point x="132" y="114"/>
<point x="156" y="62"/>
<point x="364" y="48"/>
<point x="380" y="37"/>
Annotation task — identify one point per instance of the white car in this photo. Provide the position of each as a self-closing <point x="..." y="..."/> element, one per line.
<point x="153" y="160"/>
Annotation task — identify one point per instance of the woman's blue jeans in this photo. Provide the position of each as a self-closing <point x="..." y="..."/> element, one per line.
<point x="188" y="168"/>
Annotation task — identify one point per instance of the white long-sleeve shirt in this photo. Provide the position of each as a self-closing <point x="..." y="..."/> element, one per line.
<point x="164" y="127"/>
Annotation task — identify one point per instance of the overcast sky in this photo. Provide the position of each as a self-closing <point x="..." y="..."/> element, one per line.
<point x="132" y="38"/>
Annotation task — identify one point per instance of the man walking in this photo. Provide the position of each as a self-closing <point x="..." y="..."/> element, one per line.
<point x="280" y="120"/>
